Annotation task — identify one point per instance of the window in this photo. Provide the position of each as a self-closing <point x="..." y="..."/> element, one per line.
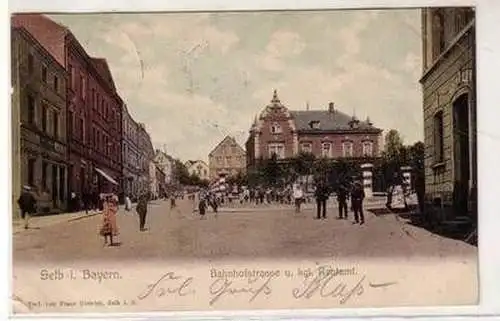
<point x="56" y="124"/>
<point x="70" y="123"/>
<point x="44" y="117"/>
<point x="275" y="128"/>
<point x="219" y="160"/>
<point x="31" y="109"/>
<point x="71" y="75"/>
<point x="44" y="74"/>
<point x="80" y="120"/>
<point x="306" y="147"/>
<point x="31" y="171"/>
<point x="326" y="150"/>
<point x="56" y="84"/>
<point x="228" y="160"/>
<point x="314" y="124"/>
<point x="277" y="149"/>
<point x="367" y="149"/>
<point x="438" y="137"/>
<point x="44" y="175"/>
<point x="347" y="149"/>
<point x="82" y="86"/>
<point x="94" y="137"/>
<point x="31" y="63"/>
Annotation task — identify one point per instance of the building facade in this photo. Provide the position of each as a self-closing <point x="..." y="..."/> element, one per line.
<point x="449" y="99"/>
<point x="131" y="154"/>
<point x="93" y="119"/>
<point x="228" y="158"/>
<point x="146" y="156"/>
<point x="38" y="121"/>
<point x="198" y="168"/>
<point x="160" y="181"/>
<point x="166" y="163"/>
<point x="327" y="133"/>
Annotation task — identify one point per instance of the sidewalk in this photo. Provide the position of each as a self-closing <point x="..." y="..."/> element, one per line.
<point x="38" y="222"/>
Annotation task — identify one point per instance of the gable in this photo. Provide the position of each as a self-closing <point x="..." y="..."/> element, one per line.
<point x="102" y="66"/>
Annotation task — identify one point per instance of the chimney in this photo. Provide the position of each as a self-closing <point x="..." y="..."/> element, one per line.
<point x="331" y="107"/>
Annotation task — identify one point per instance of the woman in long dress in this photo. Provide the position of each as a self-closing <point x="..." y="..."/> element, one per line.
<point x="109" y="227"/>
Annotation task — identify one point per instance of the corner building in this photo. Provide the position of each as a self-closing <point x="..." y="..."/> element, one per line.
<point x="449" y="108"/>
<point x="39" y="137"/>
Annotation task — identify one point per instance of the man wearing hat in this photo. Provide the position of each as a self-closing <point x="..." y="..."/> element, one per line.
<point x="27" y="204"/>
<point x="357" y="197"/>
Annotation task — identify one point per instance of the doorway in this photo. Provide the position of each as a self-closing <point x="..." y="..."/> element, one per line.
<point x="461" y="153"/>
<point x="55" y="189"/>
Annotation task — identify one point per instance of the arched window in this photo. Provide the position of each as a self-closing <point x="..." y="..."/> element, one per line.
<point x="275" y="128"/>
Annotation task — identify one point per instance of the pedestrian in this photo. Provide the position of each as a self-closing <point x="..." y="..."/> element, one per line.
<point x="357" y="197"/>
<point x="172" y="201"/>
<point x="27" y="205"/>
<point x="342" y="196"/>
<point x="128" y="203"/>
<point x="86" y="200"/>
<point x="109" y="228"/>
<point x="142" y="210"/>
<point x="321" y="194"/>
<point x="202" y="204"/>
<point x="298" y="196"/>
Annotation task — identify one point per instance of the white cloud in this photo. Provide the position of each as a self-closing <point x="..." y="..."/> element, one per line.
<point x="282" y="44"/>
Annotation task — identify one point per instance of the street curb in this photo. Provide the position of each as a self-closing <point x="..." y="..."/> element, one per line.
<point x="83" y="216"/>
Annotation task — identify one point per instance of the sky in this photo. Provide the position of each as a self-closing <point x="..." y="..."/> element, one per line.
<point x="194" y="78"/>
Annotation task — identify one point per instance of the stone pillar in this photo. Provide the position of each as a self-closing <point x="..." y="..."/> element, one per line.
<point x="367" y="171"/>
<point x="406" y="172"/>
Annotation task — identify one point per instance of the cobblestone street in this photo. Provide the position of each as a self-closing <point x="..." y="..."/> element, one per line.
<point x="266" y="232"/>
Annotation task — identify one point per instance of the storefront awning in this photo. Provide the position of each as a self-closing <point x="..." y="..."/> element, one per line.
<point x="106" y="176"/>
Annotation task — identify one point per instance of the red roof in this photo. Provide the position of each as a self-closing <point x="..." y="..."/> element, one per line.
<point x="50" y="34"/>
<point x="102" y="66"/>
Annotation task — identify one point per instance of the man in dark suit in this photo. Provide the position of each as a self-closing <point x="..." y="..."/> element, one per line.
<point x="321" y="193"/>
<point x="357" y="197"/>
<point x="342" y="195"/>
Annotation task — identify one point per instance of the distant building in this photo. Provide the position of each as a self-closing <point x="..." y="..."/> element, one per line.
<point x="160" y="180"/>
<point x="166" y="163"/>
<point x="198" y="168"/>
<point x="449" y="92"/>
<point x="146" y="155"/>
<point x="131" y="154"/>
<point x="153" y="180"/>
<point x="228" y="158"/>
<point x="327" y="133"/>
<point x="39" y="137"/>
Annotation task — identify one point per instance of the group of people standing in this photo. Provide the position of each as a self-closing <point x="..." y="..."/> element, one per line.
<point x="344" y="192"/>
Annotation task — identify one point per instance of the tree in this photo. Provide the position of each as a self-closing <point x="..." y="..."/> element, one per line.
<point x="181" y="173"/>
<point x="303" y="163"/>
<point x="272" y="171"/>
<point x="393" y="144"/>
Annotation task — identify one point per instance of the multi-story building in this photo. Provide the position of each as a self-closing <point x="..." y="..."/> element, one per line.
<point x="160" y="181"/>
<point x="93" y="107"/>
<point x="198" y="168"/>
<point x="38" y="121"/>
<point x="166" y="163"/>
<point x="449" y="99"/>
<point x="146" y="156"/>
<point x="131" y="154"/>
<point x="228" y="158"/>
<point x="328" y="133"/>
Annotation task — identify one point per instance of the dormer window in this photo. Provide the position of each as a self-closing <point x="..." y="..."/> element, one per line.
<point x="275" y="128"/>
<point x="314" y="124"/>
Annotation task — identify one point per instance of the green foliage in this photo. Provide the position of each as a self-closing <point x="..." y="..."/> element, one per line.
<point x="393" y="144"/>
